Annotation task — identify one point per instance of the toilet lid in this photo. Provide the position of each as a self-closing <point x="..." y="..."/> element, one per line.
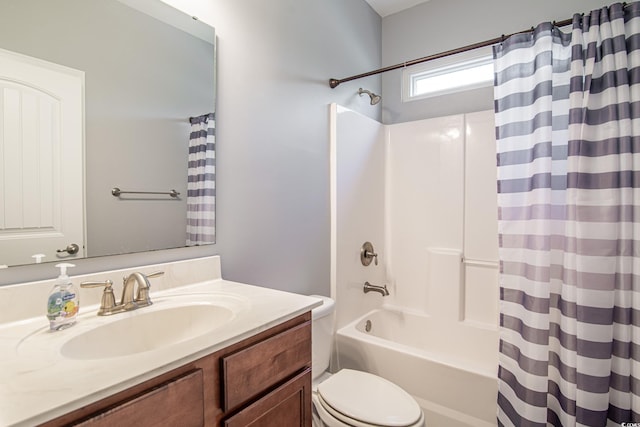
<point x="369" y="398"/>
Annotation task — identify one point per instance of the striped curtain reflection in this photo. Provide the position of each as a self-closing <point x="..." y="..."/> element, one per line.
<point x="568" y="141"/>
<point x="201" y="185"/>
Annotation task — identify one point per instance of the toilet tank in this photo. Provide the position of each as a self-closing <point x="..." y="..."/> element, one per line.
<point x="321" y="335"/>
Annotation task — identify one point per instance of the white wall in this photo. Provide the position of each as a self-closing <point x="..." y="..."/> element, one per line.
<point x="440" y="25"/>
<point x="442" y="218"/>
<point x="481" y="292"/>
<point x="358" y="208"/>
<point x="425" y="204"/>
<point x="424" y="193"/>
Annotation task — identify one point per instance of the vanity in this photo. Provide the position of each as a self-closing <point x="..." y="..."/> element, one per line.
<point x="207" y="352"/>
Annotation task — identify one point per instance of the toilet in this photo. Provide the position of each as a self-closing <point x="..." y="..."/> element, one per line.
<point x="351" y="398"/>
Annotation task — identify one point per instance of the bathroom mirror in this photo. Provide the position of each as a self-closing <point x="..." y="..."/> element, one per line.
<point x="147" y="69"/>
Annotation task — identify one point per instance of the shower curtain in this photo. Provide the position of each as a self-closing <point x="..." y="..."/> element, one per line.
<point x="201" y="181"/>
<point x="568" y="145"/>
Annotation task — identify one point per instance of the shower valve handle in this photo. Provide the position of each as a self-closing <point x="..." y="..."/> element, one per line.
<point x="367" y="254"/>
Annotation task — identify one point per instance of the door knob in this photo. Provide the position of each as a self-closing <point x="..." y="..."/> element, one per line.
<point x="72" y="249"/>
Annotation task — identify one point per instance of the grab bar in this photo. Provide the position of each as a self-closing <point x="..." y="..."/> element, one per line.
<point x="116" y="192"/>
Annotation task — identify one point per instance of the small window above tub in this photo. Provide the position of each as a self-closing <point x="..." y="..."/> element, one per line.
<point x="456" y="73"/>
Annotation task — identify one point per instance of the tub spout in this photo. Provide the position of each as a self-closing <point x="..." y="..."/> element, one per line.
<point x="382" y="290"/>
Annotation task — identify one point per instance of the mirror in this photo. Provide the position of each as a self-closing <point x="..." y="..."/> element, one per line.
<point x="147" y="69"/>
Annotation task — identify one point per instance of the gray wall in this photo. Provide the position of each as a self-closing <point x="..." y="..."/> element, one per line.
<point x="274" y="62"/>
<point x="440" y="25"/>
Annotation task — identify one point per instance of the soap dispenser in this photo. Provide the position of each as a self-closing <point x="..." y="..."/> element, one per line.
<point x="64" y="302"/>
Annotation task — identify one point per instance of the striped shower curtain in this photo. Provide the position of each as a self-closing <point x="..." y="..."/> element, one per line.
<point x="201" y="182"/>
<point x="568" y="141"/>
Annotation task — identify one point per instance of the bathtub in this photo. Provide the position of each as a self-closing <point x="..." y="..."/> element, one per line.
<point x="451" y="369"/>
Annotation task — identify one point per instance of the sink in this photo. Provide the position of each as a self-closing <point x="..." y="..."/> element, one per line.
<point x="169" y="321"/>
<point x="146" y="331"/>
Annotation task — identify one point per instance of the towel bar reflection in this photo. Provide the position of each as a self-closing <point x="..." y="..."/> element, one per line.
<point x="481" y="263"/>
<point x="117" y="192"/>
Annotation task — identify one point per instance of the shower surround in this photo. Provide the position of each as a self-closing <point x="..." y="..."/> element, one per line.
<point x="424" y="193"/>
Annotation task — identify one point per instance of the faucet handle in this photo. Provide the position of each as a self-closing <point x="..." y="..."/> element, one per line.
<point x="108" y="301"/>
<point x="154" y="274"/>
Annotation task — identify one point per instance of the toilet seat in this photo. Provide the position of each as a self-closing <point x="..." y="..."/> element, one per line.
<point x="360" y="399"/>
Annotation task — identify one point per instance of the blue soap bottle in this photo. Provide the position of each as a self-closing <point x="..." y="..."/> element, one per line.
<point x="63" y="303"/>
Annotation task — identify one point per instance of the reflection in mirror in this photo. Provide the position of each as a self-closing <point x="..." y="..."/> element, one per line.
<point x="148" y="69"/>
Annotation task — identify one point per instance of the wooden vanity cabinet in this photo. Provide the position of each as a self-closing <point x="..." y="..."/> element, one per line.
<point x="262" y="381"/>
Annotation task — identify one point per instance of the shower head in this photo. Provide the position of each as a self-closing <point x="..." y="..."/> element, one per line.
<point x="374" y="98"/>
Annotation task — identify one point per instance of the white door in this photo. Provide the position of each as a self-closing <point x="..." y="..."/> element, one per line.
<point x="41" y="160"/>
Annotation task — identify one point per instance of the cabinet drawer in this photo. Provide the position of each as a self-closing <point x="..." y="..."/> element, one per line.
<point x="178" y="402"/>
<point x="287" y="406"/>
<point x="253" y="370"/>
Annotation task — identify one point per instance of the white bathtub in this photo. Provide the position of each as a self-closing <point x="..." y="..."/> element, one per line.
<point x="450" y="369"/>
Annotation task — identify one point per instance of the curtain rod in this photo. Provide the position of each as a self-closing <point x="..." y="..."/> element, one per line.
<point x="335" y="82"/>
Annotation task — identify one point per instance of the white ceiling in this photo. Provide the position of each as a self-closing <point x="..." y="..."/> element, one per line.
<point x="389" y="7"/>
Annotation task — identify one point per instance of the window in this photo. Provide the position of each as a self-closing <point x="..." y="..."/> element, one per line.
<point x="468" y="70"/>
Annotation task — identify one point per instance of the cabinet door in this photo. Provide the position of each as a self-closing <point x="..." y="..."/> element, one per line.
<point x="178" y="402"/>
<point x="287" y="406"/>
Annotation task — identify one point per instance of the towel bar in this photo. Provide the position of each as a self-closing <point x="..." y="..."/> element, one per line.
<point x="116" y="192"/>
<point x="481" y="263"/>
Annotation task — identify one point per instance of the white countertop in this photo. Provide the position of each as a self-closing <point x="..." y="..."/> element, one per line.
<point x="39" y="383"/>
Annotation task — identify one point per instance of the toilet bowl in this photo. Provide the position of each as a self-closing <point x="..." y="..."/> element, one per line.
<point x="350" y="398"/>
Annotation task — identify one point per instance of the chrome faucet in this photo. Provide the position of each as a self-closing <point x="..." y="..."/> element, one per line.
<point x="128" y="284"/>
<point x="382" y="290"/>
<point x="131" y="299"/>
<point x="141" y="298"/>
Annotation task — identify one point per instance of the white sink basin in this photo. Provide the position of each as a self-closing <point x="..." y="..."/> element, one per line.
<point x="146" y="331"/>
<point x="169" y="321"/>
